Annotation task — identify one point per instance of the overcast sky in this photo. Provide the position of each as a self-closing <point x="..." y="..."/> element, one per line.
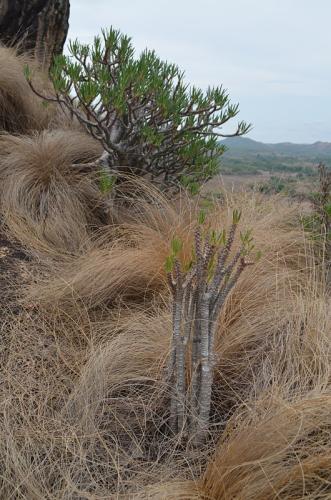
<point x="274" y="56"/>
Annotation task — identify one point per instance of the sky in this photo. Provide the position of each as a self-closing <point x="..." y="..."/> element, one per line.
<point x="273" y="56"/>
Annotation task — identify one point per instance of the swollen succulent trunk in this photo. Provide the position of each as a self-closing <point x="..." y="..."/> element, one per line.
<point x="198" y="298"/>
<point x="38" y="26"/>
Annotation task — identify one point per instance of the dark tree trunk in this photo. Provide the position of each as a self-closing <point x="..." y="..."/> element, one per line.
<point x="38" y="26"/>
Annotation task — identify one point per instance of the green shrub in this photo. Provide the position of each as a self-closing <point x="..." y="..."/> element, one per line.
<point x="149" y="121"/>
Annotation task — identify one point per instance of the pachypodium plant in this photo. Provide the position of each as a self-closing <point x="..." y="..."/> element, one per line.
<point x="199" y="292"/>
<point x="148" y="120"/>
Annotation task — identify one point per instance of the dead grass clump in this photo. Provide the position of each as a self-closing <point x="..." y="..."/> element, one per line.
<point x="123" y="263"/>
<point x="84" y="398"/>
<point x="104" y="277"/>
<point x="273" y="448"/>
<point x="80" y="418"/>
<point x="43" y="196"/>
<point x="21" y="111"/>
<point x="291" y="351"/>
<point x="85" y="411"/>
<point x="126" y="261"/>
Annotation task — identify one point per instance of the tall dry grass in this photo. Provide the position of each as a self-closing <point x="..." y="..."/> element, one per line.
<point x="44" y="195"/>
<point x="21" y="111"/>
<point x="84" y="402"/>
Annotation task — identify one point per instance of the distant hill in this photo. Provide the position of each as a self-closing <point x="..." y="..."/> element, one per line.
<point x="242" y="146"/>
<point x="246" y="156"/>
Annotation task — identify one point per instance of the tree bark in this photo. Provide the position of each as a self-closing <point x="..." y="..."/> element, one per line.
<point x="36" y="26"/>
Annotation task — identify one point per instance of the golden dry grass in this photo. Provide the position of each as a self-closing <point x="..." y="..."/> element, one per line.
<point x="21" y="111"/>
<point x="83" y="398"/>
<point x="40" y="183"/>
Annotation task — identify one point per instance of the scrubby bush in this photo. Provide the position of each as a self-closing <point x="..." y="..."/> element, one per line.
<point x="149" y="121"/>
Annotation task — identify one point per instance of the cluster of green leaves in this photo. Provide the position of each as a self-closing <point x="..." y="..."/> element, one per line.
<point x="106" y="182"/>
<point x="175" y="248"/>
<point x="140" y="108"/>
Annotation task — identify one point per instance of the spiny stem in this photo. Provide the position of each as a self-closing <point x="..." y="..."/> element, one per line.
<point x="197" y="303"/>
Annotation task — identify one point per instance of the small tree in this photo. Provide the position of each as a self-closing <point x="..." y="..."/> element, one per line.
<point x="199" y="293"/>
<point x="149" y="121"/>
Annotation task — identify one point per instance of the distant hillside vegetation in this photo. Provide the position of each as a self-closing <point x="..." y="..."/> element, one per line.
<point x="238" y="146"/>
<point x="246" y="156"/>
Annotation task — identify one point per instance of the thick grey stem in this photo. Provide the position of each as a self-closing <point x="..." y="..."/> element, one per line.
<point x="195" y="355"/>
<point x="195" y="365"/>
<point x="180" y="389"/>
<point x="220" y="299"/>
<point x="177" y="316"/>
<point x="197" y="304"/>
<point x="206" y="371"/>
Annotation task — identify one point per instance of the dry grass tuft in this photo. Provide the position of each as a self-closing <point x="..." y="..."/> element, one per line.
<point x="85" y="337"/>
<point x="44" y="197"/>
<point x="274" y="449"/>
<point x="20" y="110"/>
